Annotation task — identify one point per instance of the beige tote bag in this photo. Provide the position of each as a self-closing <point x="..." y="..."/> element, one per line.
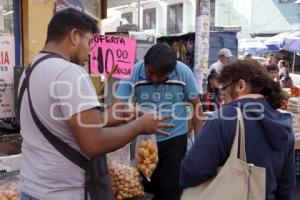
<point x="236" y="180"/>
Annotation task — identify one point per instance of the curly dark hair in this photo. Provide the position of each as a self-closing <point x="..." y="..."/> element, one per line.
<point x="257" y="77"/>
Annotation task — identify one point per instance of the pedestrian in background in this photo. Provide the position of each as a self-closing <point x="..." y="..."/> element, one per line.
<point x="224" y="58"/>
<point x="273" y="71"/>
<point x="212" y="100"/>
<point x="284" y="75"/>
<point x="270" y="60"/>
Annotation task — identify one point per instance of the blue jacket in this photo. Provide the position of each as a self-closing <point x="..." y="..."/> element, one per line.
<point x="269" y="144"/>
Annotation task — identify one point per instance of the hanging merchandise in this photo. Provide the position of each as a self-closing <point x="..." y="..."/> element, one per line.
<point x="146" y="154"/>
<point x="125" y="177"/>
<point x="8" y="185"/>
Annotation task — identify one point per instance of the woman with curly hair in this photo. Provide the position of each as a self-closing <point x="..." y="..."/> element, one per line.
<point x="269" y="141"/>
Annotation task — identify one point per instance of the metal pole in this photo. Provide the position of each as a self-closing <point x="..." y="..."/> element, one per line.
<point x="17" y="31"/>
<point x="202" y="43"/>
<point x="294" y="62"/>
<point x="139" y="12"/>
<point x="202" y="34"/>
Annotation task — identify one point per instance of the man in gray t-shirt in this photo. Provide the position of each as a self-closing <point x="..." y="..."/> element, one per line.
<point x="65" y="101"/>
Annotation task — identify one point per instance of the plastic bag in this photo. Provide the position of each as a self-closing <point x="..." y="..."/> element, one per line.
<point x="8" y="185"/>
<point x="125" y="178"/>
<point x="146" y="154"/>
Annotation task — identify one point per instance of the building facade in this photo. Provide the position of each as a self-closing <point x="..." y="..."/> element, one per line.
<point x="258" y="18"/>
<point x="36" y="15"/>
<point x="23" y="28"/>
<point x="164" y="17"/>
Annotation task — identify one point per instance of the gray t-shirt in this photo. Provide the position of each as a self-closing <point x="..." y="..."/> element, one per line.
<point x="59" y="89"/>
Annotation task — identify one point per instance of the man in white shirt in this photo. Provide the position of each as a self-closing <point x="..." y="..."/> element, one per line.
<point x="65" y="102"/>
<point x="224" y="57"/>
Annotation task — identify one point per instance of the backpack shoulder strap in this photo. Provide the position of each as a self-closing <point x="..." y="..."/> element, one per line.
<point x="28" y="70"/>
<point x="69" y="152"/>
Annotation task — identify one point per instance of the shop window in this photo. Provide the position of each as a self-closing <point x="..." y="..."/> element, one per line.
<point x="175" y="18"/>
<point x="6" y="17"/>
<point x="128" y="17"/>
<point x="149" y="18"/>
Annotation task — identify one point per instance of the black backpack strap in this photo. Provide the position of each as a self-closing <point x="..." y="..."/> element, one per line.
<point x="28" y="70"/>
<point x="69" y="152"/>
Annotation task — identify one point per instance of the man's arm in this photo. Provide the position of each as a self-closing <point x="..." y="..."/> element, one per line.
<point x="198" y="114"/>
<point x="116" y="114"/>
<point x="121" y="110"/>
<point x="94" y="140"/>
<point x="191" y="91"/>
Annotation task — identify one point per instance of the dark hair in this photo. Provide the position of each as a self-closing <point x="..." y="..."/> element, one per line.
<point x="284" y="62"/>
<point x="257" y="77"/>
<point x="212" y="75"/>
<point x="272" y="67"/>
<point x="161" y="59"/>
<point x="64" y="21"/>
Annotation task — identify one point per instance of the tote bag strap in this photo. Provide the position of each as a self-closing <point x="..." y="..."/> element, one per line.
<point x="239" y="136"/>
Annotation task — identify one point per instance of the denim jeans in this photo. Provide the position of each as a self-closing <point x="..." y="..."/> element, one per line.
<point x="27" y="197"/>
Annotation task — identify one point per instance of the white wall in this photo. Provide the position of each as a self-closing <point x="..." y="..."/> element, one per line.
<point x="257" y="16"/>
<point x="189" y="13"/>
<point x="279" y="17"/>
<point x="234" y="13"/>
<point x="113" y="3"/>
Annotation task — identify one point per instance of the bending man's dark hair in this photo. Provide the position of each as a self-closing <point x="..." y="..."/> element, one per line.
<point x="64" y="21"/>
<point x="257" y="77"/>
<point x="161" y="59"/>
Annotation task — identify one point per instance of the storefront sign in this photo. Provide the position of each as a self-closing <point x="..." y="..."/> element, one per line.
<point x="64" y="4"/>
<point x="109" y="50"/>
<point x="7" y="63"/>
<point x="144" y="42"/>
